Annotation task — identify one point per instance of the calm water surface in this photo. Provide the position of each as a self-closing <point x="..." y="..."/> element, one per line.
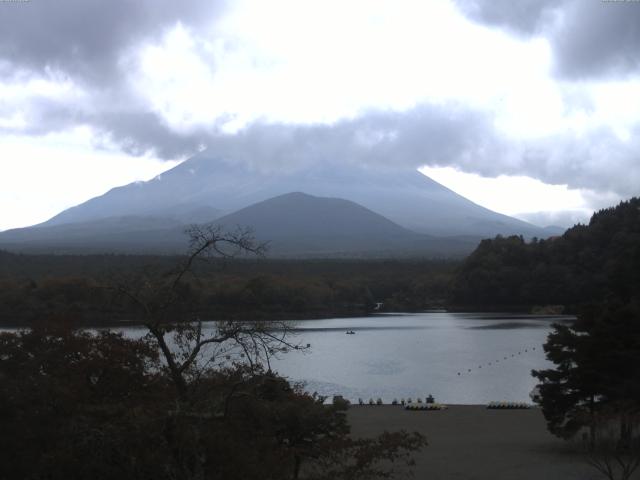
<point x="458" y="358"/>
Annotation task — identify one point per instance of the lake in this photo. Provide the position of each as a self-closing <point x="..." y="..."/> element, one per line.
<point x="459" y="358"/>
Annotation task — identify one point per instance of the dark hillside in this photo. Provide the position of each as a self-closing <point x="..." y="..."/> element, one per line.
<point x="301" y="224"/>
<point x="589" y="263"/>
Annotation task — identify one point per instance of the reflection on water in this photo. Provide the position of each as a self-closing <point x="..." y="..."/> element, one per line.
<point x="458" y="358"/>
<point x="305" y="329"/>
<point x="506" y="325"/>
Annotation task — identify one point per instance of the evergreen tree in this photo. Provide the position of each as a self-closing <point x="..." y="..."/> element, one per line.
<point x="596" y="361"/>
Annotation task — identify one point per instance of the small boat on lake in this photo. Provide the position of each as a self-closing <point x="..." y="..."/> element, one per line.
<point x="350" y="332"/>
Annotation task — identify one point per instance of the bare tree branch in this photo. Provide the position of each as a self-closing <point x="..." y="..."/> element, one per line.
<point x="159" y="297"/>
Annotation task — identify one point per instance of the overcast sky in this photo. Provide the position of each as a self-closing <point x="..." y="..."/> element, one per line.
<point x="528" y="107"/>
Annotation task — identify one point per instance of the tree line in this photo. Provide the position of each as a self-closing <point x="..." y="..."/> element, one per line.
<point x="35" y="285"/>
<point x="588" y="263"/>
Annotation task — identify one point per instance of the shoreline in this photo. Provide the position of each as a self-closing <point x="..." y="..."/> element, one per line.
<point x="515" y="316"/>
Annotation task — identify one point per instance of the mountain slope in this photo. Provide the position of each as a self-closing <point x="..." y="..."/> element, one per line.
<point x="404" y="196"/>
<point x="114" y="234"/>
<point x="588" y="264"/>
<point x="297" y="223"/>
<point x="294" y="224"/>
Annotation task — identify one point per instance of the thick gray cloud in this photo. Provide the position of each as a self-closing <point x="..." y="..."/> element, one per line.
<point x="139" y="132"/>
<point x="425" y="135"/>
<point x="85" y="39"/>
<point x="598" y="38"/>
<point x="445" y="136"/>
<point x="520" y="16"/>
<point x="135" y="131"/>
<point x="589" y="38"/>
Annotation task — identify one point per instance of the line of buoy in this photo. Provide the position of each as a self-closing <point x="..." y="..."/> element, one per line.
<point x="509" y="405"/>
<point x="526" y="350"/>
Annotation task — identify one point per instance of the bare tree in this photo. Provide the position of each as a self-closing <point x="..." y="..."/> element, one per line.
<point x="166" y="307"/>
<point x="613" y="447"/>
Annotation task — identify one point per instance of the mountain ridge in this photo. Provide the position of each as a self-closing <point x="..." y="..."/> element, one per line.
<point x="405" y="196"/>
<point x="386" y="210"/>
<point x="294" y="224"/>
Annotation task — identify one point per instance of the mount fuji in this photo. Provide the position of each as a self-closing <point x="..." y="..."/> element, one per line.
<point x="151" y="215"/>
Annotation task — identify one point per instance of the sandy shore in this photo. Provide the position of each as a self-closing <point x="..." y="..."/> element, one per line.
<point x="471" y="442"/>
